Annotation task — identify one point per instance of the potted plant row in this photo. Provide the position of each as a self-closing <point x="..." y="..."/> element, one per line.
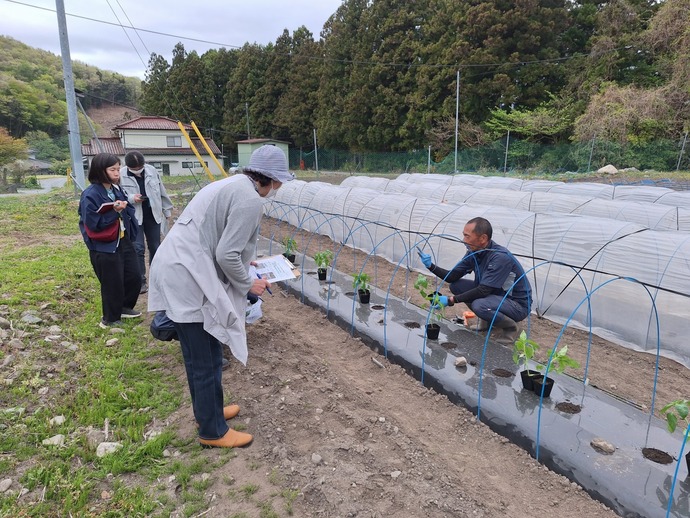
<point x="437" y="310"/>
<point x="361" y="284"/>
<point x="524" y="350"/>
<point x="323" y="260"/>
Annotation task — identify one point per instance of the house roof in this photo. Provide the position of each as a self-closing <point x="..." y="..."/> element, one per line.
<point x="114" y="145"/>
<point x="149" y="122"/>
<point x="260" y="140"/>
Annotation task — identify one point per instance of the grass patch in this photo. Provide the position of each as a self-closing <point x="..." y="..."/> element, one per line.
<point x="66" y="369"/>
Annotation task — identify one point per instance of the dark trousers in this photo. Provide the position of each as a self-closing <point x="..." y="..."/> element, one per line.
<point x="152" y="231"/>
<point x="203" y="361"/>
<point x="487" y="307"/>
<point x="119" y="276"/>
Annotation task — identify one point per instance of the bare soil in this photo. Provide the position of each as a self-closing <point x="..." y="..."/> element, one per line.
<point x="353" y="438"/>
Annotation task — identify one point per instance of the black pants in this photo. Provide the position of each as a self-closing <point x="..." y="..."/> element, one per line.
<point x="120" y="280"/>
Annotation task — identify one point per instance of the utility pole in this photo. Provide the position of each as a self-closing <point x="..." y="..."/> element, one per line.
<point x="71" y="98"/>
<point x="457" y="112"/>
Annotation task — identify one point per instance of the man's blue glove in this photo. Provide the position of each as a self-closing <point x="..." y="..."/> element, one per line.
<point x="425" y="258"/>
<point x="442" y="302"/>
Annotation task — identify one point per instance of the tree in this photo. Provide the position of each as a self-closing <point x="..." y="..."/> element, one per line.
<point x="11" y="149"/>
<point x="295" y="113"/>
<point x="247" y="78"/>
<point x="341" y="51"/>
<point x="154" y="89"/>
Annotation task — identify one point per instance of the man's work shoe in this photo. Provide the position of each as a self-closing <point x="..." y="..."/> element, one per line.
<point x="232" y="439"/>
<point x="508" y="336"/>
<point x="509" y="330"/>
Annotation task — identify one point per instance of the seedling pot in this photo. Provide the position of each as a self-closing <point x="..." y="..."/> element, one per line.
<point x="322" y="273"/>
<point x="290" y="257"/>
<point x="687" y="462"/>
<point x="432" y="331"/>
<point x="528" y="376"/>
<point x="540" y="381"/>
<point x="364" y="296"/>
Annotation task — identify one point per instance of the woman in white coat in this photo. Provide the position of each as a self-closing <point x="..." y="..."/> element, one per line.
<point x="147" y="194"/>
<point x="200" y="278"/>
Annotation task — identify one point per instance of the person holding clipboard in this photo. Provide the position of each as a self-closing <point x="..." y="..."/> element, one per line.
<point x="103" y="207"/>
<point x="201" y="276"/>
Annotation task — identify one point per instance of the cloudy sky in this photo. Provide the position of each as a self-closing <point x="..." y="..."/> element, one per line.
<point x="97" y="37"/>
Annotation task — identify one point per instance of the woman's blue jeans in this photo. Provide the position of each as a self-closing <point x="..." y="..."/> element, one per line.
<point x="203" y="361"/>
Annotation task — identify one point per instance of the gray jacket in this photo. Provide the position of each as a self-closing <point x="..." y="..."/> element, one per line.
<point x="155" y="190"/>
<point x="201" y="270"/>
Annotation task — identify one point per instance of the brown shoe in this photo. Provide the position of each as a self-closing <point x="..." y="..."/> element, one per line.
<point x="232" y="439"/>
<point x="229" y="412"/>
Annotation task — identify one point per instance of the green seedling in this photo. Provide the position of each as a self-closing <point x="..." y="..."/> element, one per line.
<point x="524" y="350"/>
<point x="360" y="282"/>
<point x="676" y="411"/>
<point x="289" y="244"/>
<point x="560" y="361"/>
<point x="422" y="286"/>
<point x="323" y="259"/>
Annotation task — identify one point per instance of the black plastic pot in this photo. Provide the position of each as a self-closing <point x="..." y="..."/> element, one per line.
<point x="687" y="462"/>
<point x="322" y="273"/>
<point x="364" y="296"/>
<point x="432" y="331"/>
<point x="539" y="382"/>
<point x="290" y="257"/>
<point x="528" y="376"/>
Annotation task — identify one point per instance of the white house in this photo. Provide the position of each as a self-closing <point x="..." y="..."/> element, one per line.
<point x="161" y="142"/>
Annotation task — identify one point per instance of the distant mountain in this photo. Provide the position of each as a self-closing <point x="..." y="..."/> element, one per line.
<point x="32" y="96"/>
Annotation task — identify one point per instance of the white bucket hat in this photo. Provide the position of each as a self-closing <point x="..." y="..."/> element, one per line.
<point x="270" y="161"/>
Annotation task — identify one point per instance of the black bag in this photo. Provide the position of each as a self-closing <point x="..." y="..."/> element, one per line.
<point x="162" y="328"/>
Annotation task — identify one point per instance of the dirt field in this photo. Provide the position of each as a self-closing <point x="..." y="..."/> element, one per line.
<point x="350" y="438"/>
<point x="354" y="439"/>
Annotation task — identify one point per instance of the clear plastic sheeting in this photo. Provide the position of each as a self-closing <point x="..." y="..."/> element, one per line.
<point x="656" y="208"/>
<point x="611" y="275"/>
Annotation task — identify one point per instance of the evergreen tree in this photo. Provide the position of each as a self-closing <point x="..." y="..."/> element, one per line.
<point x="154" y="90"/>
<point x="294" y="115"/>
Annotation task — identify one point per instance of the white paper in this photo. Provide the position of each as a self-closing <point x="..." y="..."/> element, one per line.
<point x="275" y="268"/>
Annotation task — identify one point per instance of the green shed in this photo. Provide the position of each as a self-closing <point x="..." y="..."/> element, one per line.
<point x="245" y="148"/>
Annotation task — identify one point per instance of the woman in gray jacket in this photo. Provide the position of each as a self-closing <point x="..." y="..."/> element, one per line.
<point x="200" y="277"/>
<point x="146" y="193"/>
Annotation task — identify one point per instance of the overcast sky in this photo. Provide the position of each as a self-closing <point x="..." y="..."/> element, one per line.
<point x="96" y="36"/>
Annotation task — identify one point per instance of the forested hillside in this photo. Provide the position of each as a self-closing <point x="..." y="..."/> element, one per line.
<point x="382" y="76"/>
<point x="32" y="96"/>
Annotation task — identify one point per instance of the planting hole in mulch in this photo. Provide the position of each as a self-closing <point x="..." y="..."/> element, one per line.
<point x="380" y="321"/>
<point x="330" y="282"/>
<point x="658" y="456"/>
<point x="448" y="345"/>
<point x="568" y="407"/>
<point x="502" y="373"/>
<point x="473" y="363"/>
<point x="378" y="306"/>
<point x="311" y="273"/>
<point x="350" y="294"/>
<point x="412" y="325"/>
